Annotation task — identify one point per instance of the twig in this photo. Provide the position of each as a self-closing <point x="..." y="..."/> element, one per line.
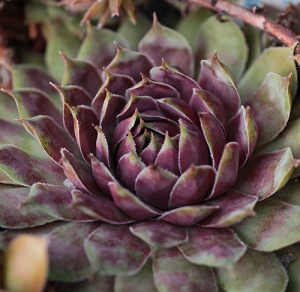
<point x="284" y="35"/>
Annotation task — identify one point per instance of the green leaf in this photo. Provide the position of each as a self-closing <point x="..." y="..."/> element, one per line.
<point x="275" y="226"/>
<point x="277" y="60"/>
<point x="255" y="271"/>
<point x="213" y="36"/>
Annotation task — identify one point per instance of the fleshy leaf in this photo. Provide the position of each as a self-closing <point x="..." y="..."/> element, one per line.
<point x="214" y="78"/>
<point x="242" y="129"/>
<point x="192" y="186"/>
<point x="54" y="201"/>
<point x="214" y="136"/>
<point x="51" y="136"/>
<point x="98" y="46"/>
<point x="192" y="148"/>
<point x="115" y="250"/>
<point x="188" y="215"/>
<point x="289" y="193"/>
<point x="68" y="261"/>
<point x="131" y="204"/>
<point x="255" y="271"/>
<point x="228" y="170"/>
<point x="81" y="73"/>
<point x="59" y="40"/>
<point x="140" y="282"/>
<point x="171" y="271"/>
<point x="32" y="102"/>
<point x="14" y="215"/>
<point x="264" y="64"/>
<point x="213" y="35"/>
<point x="266" y="173"/>
<point x="233" y="208"/>
<point x="275" y="225"/>
<point x="79" y="173"/>
<point x="83" y="119"/>
<point x="163" y="42"/>
<point x="213" y="247"/>
<point x="130" y="63"/>
<point x="25" y="169"/>
<point x="159" y="234"/>
<point x="271" y="100"/>
<point x="153" y="186"/>
<point x="99" y="208"/>
<point x="32" y="76"/>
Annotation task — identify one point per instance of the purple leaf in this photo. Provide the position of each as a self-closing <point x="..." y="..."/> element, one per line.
<point x="72" y="96"/>
<point x="131" y="204"/>
<point x="126" y="146"/>
<point x="156" y="90"/>
<point x="32" y="102"/>
<point x="153" y="186"/>
<point x="213" y="247"/>
<point x="149" y="154"/>
<point x="167" y="157"/>
<point x="130" y="63"/>
<point x="276" y="225"/>
<point x="68" y="261"/>
<point x="206" y="102"/>
<point x="129" y="168"/>
<point x="188" y="215"/>
<point x="98" y="208"/>
<point x="114" y="250"/>
<point x="182" y="83"/>
<point x="163" y="42"/>
<point x="214" y="78"/>
<point x="102" y="150"/>
<point x="228" y="170"/>
<point x="51" y="136"/>
<point x="243" y="130"/>
<point x="172" y="272"/>
<point x="266" y="173"/>
<point x="25" y="169"/>
<point x="84" y="120"/>
<point x="159" y="234"/>
<point x="102" y="175"/>
<point x="192" y="148"/>
<point x="192" y="186"/>
<point x="233" y="208"/>
<point x="55" y="201"/>
<point x="214" y="136"/>
<point x="81" y="73"/>
<point x="14" y="215"/>
<point x="79" y="173"/>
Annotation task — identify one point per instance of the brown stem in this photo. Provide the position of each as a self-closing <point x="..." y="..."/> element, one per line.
<point x="284" y="35"/>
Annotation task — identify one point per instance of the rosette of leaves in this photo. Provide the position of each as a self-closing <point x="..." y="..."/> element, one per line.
<point x="150" y="178"/>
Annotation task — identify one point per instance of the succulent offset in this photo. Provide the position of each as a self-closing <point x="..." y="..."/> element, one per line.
<point x="154" y="179"/>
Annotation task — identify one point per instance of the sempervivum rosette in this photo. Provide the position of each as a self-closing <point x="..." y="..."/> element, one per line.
<point x="153" y="181"/>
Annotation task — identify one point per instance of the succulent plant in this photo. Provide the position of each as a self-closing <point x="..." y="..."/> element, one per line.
<point x="154" y="179"/>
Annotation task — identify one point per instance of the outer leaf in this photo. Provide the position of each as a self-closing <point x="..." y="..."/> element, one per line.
<point x="68" y="261"/>
<point x="159" y="234"/>
<point x="114" y="250"/>
<point x="25" y="169"/>
<point x="212" y="247"/>
<point x="275" y="225"/>
<point x="171" y="271"/>
<point x="254" y="272"/>
<point x="13" y="215"/>
<point x="163" y="42"/>
<point x="213" y="35"/>
<point x="98" y="46"/>
<point x="140" y="282"/>
<point x="59" y="40"/>
<point x="264" y="64"/>
<point x="271" y="100"/>
<point x="266" y="173"/>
